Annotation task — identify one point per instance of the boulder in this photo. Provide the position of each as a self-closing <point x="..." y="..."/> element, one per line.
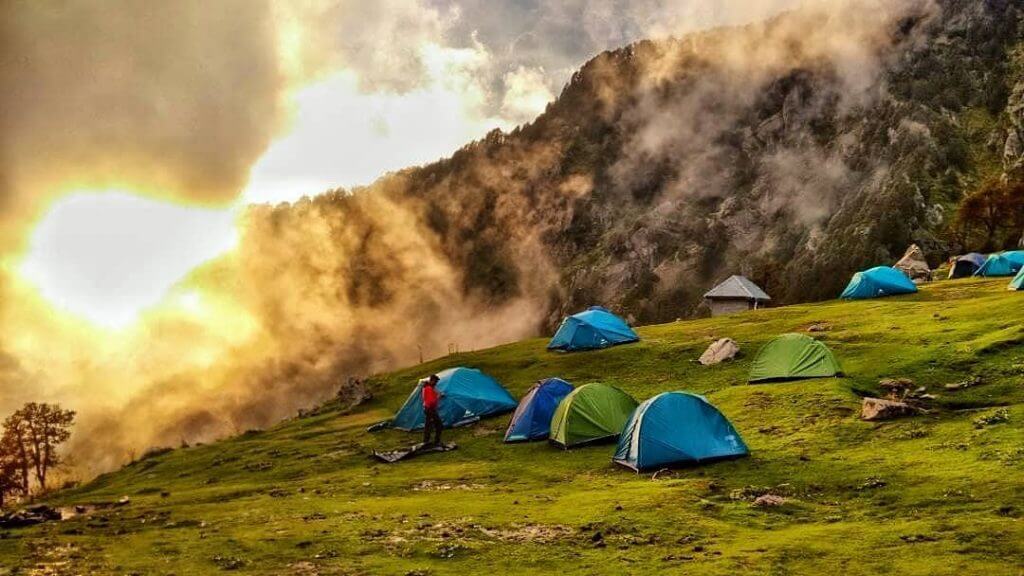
<point x="720" y="351"/>
<point x="874" y="409"/>
<point x="914" y="265"/>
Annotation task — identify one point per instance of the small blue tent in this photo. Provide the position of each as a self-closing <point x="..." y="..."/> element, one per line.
<point x="532" y="418"/>
<point x="468" y="395"/>
<point x="675" y="428"/>
<point x="876" y="282"/>
<point x="1002" y="264"/>
<point x="591" y="329"/>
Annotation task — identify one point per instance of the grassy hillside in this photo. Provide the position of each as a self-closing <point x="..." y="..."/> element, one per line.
<point x="936" y="494"/>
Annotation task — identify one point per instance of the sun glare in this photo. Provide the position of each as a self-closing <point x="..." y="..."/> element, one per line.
<point x="106" y="256"/>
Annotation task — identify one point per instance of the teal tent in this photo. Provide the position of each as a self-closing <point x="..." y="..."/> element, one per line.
<point x="1018" y="281"/>
<point x="592" y="329"/>
<point x="467" y="396"/>
<point x="876" y="282"/>
<point x="1002" y="264"/>
<point x="677" y="428"/>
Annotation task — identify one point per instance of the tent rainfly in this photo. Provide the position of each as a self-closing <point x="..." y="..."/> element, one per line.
<point x="1002" y="264"/>
<point x="467" y="396"/>
<point x="589" y="414"/>
<point x="677" y="428"/>
<point x="592" y="329"/>
<point x="532" y="419"/>
<point x="794" y="357"/>
<point x="735" y="294"/>
<point x="877" y="282"/>
<point x="1018" y="281"/>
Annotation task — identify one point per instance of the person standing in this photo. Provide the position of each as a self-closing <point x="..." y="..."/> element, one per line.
<point x="432" y="420"/>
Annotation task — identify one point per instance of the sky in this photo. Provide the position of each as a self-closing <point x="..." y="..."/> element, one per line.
<point x="127" y="126"/>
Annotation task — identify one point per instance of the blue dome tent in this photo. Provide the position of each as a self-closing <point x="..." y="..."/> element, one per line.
<point x="876" y="282"/>
<point x="532" y="418"/>
<point x="676" y="428"/>
<point x="592" y="329"/>
<point x="1002" y="264"/>
<point x="468" y="395"/>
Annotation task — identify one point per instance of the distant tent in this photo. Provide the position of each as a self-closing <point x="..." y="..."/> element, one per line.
<point x="1018" y="281"/>
<point x="591" y="413"/>
<point x="676" y="428"/>
<point x="1002" y="264"/>
<point x="469" y="395"/>
<point x="591" y="329"/>
<point x="794" y="357"/>
<point x="966" y="265"/>
<point x="876" y="282"/>
<point x="914" y="265"/>
<point x="532" y="418"/>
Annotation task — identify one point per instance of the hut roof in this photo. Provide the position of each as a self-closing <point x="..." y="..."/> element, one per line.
<point x="738" y="287"/>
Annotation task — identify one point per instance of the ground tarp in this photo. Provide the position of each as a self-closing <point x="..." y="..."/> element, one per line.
<point x="467" y="396"/>
<point x="589" y="414"/>
<point x="591" y="329"/>
<point x="532" y="418"/>
<point x="793" y="357"/>
<point x="877" y="282"/>
<point x="676" y="428"/>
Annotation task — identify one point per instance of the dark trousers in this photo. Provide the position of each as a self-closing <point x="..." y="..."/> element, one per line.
<point x="432" y="424"/>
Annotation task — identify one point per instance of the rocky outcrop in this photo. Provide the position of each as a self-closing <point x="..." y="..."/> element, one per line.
<point x="874" y="409"/>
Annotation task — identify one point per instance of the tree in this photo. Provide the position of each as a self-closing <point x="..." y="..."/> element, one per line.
<point x="11" y="475"/>
<point x="31" y="438"/>
<point x="997" y="208"/>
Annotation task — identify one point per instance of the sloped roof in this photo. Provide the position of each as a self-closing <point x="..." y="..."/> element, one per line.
<point x="738" y="287"/>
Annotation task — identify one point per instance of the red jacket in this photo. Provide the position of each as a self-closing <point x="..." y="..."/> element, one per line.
<point x="429" y="397"/>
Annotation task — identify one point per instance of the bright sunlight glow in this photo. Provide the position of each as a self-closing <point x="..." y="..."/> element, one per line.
<point x="107" y="256"/>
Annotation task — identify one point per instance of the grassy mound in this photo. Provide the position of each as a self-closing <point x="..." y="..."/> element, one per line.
<point x="941" y="493"/>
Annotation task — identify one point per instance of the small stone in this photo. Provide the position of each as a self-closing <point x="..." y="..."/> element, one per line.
<point x="874" y="409"/>
<point x="768" y="501"/>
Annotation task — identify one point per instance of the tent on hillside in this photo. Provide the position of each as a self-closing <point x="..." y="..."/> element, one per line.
<point x="592" y="329"/>
<point x="676" y="428"/>
<point x="532" y="418"/>
<point x="876" y="282"/>
<point x="469" y="395"/>
<point x="794" y="357"/>
<point x="914" y="265"/>
<point x="589" y="414"/>
<point x="1002" y="264"/>
<point x="1018" y="281"/>
<point x="966" y="265"/>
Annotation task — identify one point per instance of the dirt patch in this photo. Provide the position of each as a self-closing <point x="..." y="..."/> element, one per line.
<point x="540" y="533"/>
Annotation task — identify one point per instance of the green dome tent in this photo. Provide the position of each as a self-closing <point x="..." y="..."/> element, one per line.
<point x="793" y="357"/>
<point x="589" y="414"/>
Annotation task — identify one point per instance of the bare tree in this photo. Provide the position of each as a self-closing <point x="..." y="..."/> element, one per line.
<point x="33" y="434"/>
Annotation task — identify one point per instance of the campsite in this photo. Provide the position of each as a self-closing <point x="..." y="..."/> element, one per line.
<point x="935" y="493"/>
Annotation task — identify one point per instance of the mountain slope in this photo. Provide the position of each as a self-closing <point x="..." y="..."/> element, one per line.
<point x="933" y="494"/>
<point x="794" y="151"/>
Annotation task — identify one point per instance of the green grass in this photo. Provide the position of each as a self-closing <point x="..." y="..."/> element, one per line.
<point x="934" y="494"/>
